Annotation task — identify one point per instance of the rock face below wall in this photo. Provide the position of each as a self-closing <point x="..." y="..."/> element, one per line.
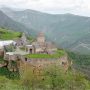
<point x="1" y="52"/>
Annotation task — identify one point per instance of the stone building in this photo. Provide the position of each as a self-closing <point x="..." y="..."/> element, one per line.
<point x="5" y="43"/>
<point x="14" y="57"/>
<point x="22" y="41"/>
<point x="30" y="49"/>
<point x="44" y="62"/>
<point x="41" y="38"/>
<point x="50" y="48"/>
<point x="41" y="46"/>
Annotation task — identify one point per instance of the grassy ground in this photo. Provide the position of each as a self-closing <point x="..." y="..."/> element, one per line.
<point x="11" y="75"/>
<point x="8" y="35"/>
<point x="51" y="80"/>
<point x="58" y="54"/>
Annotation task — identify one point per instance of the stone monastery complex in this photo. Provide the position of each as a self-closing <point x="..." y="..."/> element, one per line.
<point x="38" y="53"/>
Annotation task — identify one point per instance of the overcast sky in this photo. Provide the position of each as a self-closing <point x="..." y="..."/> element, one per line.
<point x="81" y="7"/>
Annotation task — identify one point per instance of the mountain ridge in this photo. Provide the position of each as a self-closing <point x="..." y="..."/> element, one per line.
<point x="63" y="29"/>
<point x="19" y="9"/>
<point x="8" y="23"/>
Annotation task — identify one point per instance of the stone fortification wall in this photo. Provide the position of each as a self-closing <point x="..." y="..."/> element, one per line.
<point x="44" y="62"/>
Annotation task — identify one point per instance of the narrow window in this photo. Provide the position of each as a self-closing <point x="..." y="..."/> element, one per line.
<point x="25" y="59"/>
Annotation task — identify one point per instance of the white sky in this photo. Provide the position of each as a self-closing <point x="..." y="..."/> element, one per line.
<point x="81" y="7"/>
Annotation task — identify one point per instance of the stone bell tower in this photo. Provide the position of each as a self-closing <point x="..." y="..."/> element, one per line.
<point x="24" y="39"/>
<point x="41" y="38"/>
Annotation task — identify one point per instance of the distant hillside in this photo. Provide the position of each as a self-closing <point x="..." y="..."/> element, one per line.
<point x="66" y="30"/>
<point x="80" y="62"/>
<point x="8" y="23"/>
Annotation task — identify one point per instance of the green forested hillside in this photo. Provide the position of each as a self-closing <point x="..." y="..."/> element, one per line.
<point x="80" y="62"/>
<point x="7" y="22"/>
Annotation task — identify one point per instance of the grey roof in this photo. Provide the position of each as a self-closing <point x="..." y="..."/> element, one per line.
<point x="17" y="51"/>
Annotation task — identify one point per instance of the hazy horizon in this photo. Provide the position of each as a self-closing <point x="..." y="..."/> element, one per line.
<point x="77" y="7"/>
<point x="22" y="9"/>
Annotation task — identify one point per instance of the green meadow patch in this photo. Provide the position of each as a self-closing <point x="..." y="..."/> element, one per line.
<point x="8" y="34"/>
<point x="58" y="54"/>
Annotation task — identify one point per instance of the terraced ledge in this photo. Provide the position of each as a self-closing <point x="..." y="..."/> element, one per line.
<point x="58" y="54"/>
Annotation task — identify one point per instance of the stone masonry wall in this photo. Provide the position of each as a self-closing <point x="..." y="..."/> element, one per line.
<point x="44" y="62"/>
